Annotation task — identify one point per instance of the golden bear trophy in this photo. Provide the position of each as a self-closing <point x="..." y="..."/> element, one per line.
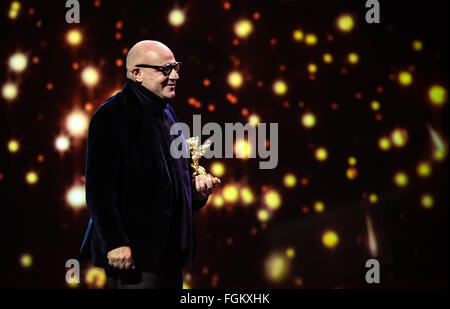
<point x="196" y="153"/>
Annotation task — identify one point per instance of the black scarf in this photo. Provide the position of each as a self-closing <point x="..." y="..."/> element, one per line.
<point x="181" y="232"/>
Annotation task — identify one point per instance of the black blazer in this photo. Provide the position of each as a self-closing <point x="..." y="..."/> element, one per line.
<point x="128" y="188"/>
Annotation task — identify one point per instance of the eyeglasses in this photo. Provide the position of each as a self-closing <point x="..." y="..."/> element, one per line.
<point x="165" y="69"/>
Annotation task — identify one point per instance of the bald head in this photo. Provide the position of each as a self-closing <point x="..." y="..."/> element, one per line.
<point x="152" y="53"/>
<point x="147" y="52"/>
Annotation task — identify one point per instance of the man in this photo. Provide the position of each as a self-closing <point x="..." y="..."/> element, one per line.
<point x="140" y="198"/>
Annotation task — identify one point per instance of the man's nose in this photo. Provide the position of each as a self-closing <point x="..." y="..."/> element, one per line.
<point x="174" y="75"/>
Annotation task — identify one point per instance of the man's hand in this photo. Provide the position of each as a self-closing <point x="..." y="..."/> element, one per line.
<point x="204" y="186"/>
<point x="121" y="258"/>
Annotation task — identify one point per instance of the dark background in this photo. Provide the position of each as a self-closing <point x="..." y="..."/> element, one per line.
<point x="413" y="241"/>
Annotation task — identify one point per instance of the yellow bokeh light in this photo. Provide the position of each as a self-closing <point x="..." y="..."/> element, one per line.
<point x="437" y="95"/>
<point x="297" y="35"/>
<point x="327" y="58"/>
<point x="352" y="161"/>
<point x="263" y="215"/>
<point x="218" y="169"/>
<point x="247" y="196"/>
<point x="308" y="120"/>
<point x="399" y="137"/>
<point x="176" y="17"/>
<point x="26" y="260"/>
<point x="345" y="23"/>
<point x="272" y="199"/>
<point x="439" y="154"/>
<point x="230" y="193"/>
<point x="319" y="206"/>
<point x="90" y="76"/>
<point x="321" y="154"/>
<point x="276" y="267"/>
<point x="352" y="173"/>
<point x="424" y="169"/>
<point x="405" y="78"/>
<point x="76" y="196"/>
<point x="14" y="10"/>
<point x="77" y="123"/>
<point x="243" y="149"/>
<point x="18" y="62"/>
<point x="235" y="79"/>
<point x="417" y="45"/>
<point x="243" y="28"/>
<point x="438" y="144"/>
<point x="373" y="198"/>
<point x="312" y="68"/>
<point x="427" y="201"/>
<point x="280" y="87"/>
<point x="311" y="39"/>
<point x="62" y="143"/>
<point x="95" y="277"/>
<point x="290" y="180"/>
<point x="353" y="58"/>
<point x="186" y="286"/>
<point x="74" y="37"/>
<point x="290" y="253"/>
<point x="31" y="178"/>
<point x="401" y="179"/>
<point x="13" y="146"/>
<point x="72" y="283"/>
<point x="218" y="201"/>
<point x="15" y="5"/>
<point x="13" y="14"/>
<point x="330" y="239"/>
<point x="9" y="91"/>
<point x="375" y="105"/>
<point x="384" y="143"/>
<point x="254" y="120"/>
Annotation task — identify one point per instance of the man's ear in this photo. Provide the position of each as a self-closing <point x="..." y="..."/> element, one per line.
<point x="137" y="73"/>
